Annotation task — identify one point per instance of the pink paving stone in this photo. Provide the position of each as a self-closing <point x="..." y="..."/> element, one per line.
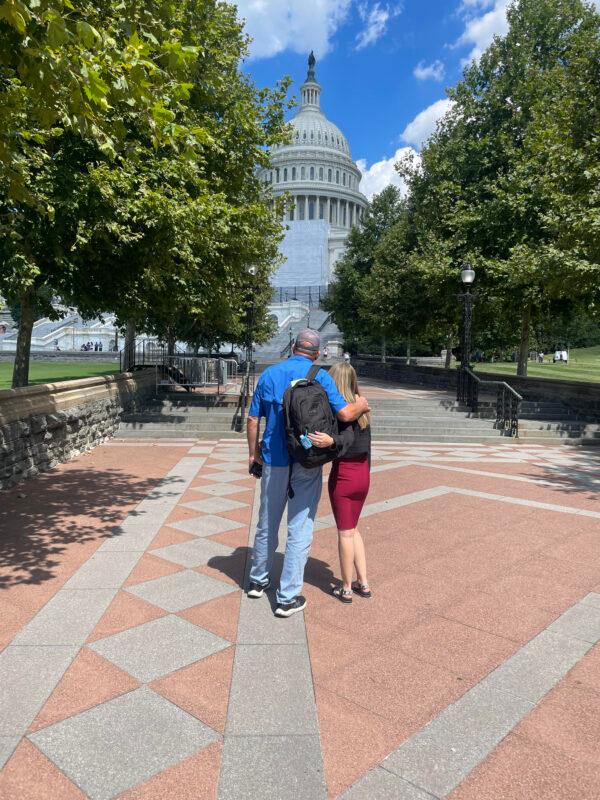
<point x="12" y="619"/>
<point x="522" y="770"/>
<point x="587" y="671"/>
<point x="567" y="719"/>
<point x="395" y="686"/>
<point x="219" y="616"/>
<point x="150" y="567"/>
<point x="238" y="514"/>
<point x="353" y="740"/>
<point x="201" y="689"/>
<point x="168" y="535"/>
<point x="29" y="775"/>
<point x="89" y="681"/>
<point x="229" y="569"/>
<point x="548" y="582"/>
<point x="513" y="618"/>
<point x="579" y="548"/>
<point x="196" y="778"/>
<point x="463" y="650"/>
<point x="237" y="538"/>
<point x="331" y="648"/>
<point x="181" y="513"/>
<point x="64" y="516"/>
<point x="125" y="611"/>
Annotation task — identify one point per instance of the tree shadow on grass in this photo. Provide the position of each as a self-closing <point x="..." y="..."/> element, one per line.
<point x="57" y="510"/>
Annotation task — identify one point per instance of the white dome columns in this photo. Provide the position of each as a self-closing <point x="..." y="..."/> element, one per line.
<point x="338" y="212"/>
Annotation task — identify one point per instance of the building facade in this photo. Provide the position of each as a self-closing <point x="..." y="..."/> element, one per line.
<point x="322" y="181"/>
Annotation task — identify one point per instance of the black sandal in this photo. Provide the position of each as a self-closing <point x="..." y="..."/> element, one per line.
<point x="345" y="595"/>
<point x="361" y="589"/>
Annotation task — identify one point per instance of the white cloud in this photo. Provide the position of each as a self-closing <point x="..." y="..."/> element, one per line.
<point x="382" y="173"/>
<point x="376" y="18"/>
<point x="480" y="29"/>
<point x="423" y="125"/>
<point x="297" y="25"/>
<point x="433" y="71"/>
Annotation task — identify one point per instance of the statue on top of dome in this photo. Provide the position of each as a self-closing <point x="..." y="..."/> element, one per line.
<point x="311" y="67"/>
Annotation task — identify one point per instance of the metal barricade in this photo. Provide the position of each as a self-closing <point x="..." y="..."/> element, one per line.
<point x="218" y="375"/>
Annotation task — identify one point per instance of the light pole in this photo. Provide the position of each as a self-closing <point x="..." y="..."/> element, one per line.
<point x="249" y="333"/>
<point x="463" y="394"/>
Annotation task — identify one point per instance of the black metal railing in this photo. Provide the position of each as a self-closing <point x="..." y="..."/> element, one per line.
<point x="508" y="401"/>
<point x="312" y="296"/>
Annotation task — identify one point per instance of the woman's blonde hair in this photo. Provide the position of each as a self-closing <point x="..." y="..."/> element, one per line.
<point x="344" y="376"/>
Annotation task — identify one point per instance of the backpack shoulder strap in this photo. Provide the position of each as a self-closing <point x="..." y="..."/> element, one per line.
<point x="312" y="372"/>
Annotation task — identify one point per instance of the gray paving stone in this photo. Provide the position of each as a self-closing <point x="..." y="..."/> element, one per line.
<point x="221" y="489"/>
<point x="159" y="647"/>
<point x="582" y="621"/>
<point x="379" y="784"/>
<point x="104" y="570"/>
<point x="215" y="505"/>
<point x="225" y="477"/>
<point x="7" y="748"/>
<point x="27" y="676"/>
<point x="181" y="590"/>
<point x="136" y="533"/>
<point x="440" y="756"/>
<point x="538" y="666"/>
<point x="68" y="618"/>
<point x="203" y="450"/>
<point x="258" y="625"/>
<point x="193" y="553"/>
<point x="272" y="691"/>
<point x="230" y="466"/>
<point x="123" y="742"/>
<point x="277" y="767"/>
<point x="592" y="599"/>
<point x="206" y="525"/>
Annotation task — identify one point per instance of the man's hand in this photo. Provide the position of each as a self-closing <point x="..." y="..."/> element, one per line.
<point x="362" y="401"/>
<point x="321" y="439"/>
<point x="354" y="410"/>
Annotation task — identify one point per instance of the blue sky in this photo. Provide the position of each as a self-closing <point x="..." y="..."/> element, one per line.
<point x="383" y="64"/>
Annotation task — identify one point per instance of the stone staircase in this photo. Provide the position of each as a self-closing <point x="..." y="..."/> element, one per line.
<point x="434" y="419"/>
<point x="317" y="319"/>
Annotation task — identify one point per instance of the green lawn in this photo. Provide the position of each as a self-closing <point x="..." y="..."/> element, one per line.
<point x="53" y="371"/>
<point x="584" y="365"/>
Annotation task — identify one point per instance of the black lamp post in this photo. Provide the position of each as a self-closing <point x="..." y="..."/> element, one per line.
<point x="463" y="394"/>
<point x="249" y="331"/>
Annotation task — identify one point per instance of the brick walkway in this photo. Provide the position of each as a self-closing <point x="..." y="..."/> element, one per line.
<point x="133" y="667"/>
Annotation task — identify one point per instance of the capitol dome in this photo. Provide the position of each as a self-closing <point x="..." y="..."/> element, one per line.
<point x="322" y="181"/>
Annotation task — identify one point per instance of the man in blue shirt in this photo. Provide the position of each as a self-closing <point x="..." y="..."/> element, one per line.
<point x="306" y="483"/>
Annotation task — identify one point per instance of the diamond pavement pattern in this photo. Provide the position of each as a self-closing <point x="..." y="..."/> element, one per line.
<point x="128" y="739"/>
<point x="121" y="743"/>
<point x="181" y="590"/>
<point x="156" y="648"/>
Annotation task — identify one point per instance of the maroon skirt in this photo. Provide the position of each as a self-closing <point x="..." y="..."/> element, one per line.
<point x="348" y="488"/>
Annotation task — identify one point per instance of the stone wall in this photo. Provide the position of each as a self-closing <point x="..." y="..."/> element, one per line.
<point x="41" y="426"/>
<point x="581" y="396"/>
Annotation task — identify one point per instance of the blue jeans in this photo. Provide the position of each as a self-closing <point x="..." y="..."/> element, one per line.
<point x="302" y="508"/>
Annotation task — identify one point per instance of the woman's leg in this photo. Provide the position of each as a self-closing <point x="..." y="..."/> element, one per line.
<point x="360" y="559"/>
<point x="346" y="550"/>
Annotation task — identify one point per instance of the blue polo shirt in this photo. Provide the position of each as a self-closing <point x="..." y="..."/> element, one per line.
<point x="268" y="403"/>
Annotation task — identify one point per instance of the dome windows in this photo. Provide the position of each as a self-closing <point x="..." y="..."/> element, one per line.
<point x="277" y="176"/>
<point x="312" y="173"/>
<point x="337" y="176"/>
<point x="285" y="174"/>
<point x="320" y="173"/>
<point x="329" y="175"/>
<point x="343" y="177"/>
<point x="302" y="173"/>
<point x="293" y="173"/>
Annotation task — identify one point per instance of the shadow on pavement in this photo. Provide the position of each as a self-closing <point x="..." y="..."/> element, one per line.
<point x="317" y="573"/>
<point x="39" y="520"/>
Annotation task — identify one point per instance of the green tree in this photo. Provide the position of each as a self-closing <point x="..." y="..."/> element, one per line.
<point x="165" y="222"/>
<point x="348" y="291"/>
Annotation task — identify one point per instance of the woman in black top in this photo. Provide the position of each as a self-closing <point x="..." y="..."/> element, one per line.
<point x="349" y="485"/>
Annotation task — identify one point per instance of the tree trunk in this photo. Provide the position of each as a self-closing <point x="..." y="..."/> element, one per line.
<point x="21" y="365"/>
<point x="448" y="362"/>
<point x="129" y="347"/>
<point x="524" y="345"/>
<point x="383" y="349"/>
<point x="408" y="351"/>
<point x="171" y="344"/>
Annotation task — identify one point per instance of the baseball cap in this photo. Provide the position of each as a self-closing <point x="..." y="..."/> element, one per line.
<point x="308" y="341"/>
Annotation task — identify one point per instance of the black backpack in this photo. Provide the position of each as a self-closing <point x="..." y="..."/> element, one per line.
<point x="306" y="409"/>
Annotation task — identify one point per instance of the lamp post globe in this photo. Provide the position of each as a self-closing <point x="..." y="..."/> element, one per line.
<point x="464" y="385"/>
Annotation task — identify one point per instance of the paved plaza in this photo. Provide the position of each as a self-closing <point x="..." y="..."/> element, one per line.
<point x="132" y="666"/>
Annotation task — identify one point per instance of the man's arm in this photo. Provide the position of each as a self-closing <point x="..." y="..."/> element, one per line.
<point x="252" y="431"/>
<point x="353" y="410"/>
